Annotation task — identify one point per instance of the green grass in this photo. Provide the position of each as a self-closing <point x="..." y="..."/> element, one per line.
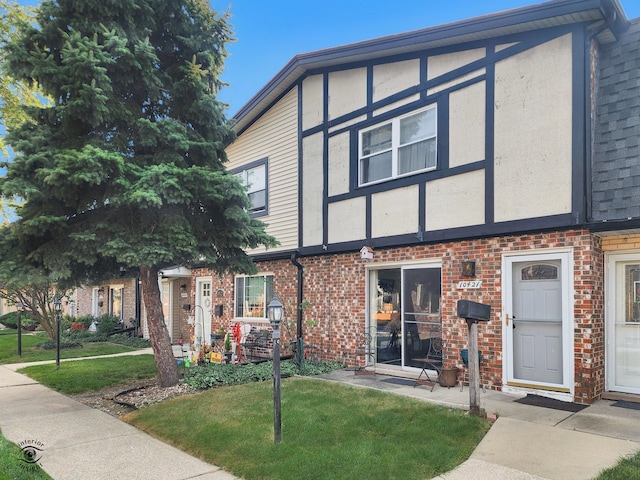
<point x="13" y="465"/>
<point x="627" y="468"/>
<point x="329" y="430"/>
<point x="91" y="375"/>
<point x="30" y="353"/>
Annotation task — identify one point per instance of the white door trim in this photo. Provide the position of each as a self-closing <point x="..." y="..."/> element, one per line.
<point x="566" y="390"/>
<point x="611" y="259"/>
<point x="202" y="311"/>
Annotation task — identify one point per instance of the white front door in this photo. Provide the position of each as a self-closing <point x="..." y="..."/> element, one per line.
<point x="537" y="322"/>
<point x="623" y="323"/>
<point x="203" y="311"/>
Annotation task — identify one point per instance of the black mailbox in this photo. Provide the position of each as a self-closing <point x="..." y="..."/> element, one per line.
<point x="474" y="310"/>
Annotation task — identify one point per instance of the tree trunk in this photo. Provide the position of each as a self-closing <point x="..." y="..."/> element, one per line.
<point x="158" y="333"/>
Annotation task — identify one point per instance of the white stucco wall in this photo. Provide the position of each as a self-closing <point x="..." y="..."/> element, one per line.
<point x="312" y="185"/>
<point x="394" y="212"/>
<point x="456" y="201"/>
<point x="347" y="91"/>
<point x="533" y="126"/>
<point x="312" y="105"/>
<point x="339" y="164"/>
<point x="467" y="125"/>
<point x="347" y="220"/>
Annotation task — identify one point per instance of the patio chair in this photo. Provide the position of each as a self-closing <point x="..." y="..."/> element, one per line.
<point x="431" y="361"/>
<point x="364" y="347"/>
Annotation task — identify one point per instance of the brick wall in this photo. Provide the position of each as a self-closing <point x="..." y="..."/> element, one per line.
<point x="335" y="286"/>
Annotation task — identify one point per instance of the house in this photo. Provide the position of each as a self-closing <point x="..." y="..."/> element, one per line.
<point x="122" y="297"/>
<point x="493" y="159"/>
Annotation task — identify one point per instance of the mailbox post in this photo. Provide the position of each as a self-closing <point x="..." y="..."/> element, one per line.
<point x="473" y="312"/>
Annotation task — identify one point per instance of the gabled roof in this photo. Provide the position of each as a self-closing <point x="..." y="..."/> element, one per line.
<point x="606" y="15"/>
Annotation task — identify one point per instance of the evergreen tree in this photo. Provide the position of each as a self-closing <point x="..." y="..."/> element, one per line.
<point x="13" y="94"/>
<point x="126" y="167"/>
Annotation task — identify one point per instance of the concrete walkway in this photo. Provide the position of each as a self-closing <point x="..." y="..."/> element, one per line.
<point x="529" y="442"/>
<point x="525" y="443"/>
<point x="79" y="442"/>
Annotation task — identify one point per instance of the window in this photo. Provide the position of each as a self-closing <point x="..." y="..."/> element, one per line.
<point x="255" y="179"/>
<point x="403" y="146"/>
<point x="116" y="295"/>
<point x="253" y="294"/>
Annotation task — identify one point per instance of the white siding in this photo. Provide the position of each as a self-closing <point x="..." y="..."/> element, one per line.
<point x="274" y="136"/>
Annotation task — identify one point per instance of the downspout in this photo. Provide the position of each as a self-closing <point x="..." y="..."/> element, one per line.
<point x="299" y="339"/>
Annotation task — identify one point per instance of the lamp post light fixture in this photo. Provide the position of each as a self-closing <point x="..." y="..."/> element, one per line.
<point x="275" y="313"/>
<point x="20" y="307"/>
<point x="57" y="308"/>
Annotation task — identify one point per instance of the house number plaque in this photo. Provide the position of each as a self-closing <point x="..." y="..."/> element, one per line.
<point x="470" y="284"/>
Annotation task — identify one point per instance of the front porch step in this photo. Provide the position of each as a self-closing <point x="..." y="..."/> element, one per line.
<point x="627" y="397"/>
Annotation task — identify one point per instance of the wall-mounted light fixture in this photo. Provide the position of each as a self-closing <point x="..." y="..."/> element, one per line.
<point x="468" y="268"/>
<point x="183" y="286"/>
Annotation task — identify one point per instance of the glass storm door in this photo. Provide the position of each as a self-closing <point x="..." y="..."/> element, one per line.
<point x="623" y="324"/>
<point x="538" y="321"/>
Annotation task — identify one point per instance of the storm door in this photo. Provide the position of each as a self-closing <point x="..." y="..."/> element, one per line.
<point x="623" y="323"/>
<point x="538" y="348"/>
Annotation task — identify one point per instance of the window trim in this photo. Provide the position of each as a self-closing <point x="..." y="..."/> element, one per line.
<point x="395" y="145"/>
<point x="250" y="166"/>
<point x="120" y="289"/>
<point x="267" y="277"/>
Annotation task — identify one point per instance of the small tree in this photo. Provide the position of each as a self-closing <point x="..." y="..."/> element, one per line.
<point x="126" y="167"/>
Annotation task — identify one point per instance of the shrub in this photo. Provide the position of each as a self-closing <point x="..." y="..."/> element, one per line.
<point x="10" y="320"/>
<point x="216" y="375"/>
<point x="64" y="343"/>
<point x="108" y="324"/>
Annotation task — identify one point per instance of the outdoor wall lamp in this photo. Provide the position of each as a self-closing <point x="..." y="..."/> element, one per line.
<point x="468" y="268"/>
<point x="57" y="308"/>
<point x="275" y="312"/>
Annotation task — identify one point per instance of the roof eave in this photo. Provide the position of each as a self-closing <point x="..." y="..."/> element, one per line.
<point x="486" y="26"/>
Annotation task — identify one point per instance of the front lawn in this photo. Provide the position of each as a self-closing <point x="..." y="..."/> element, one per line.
<point x="329" y="430"/>
<point x="95" y="374"/>
<point x="14" y="465"/>
<point x="31" y="353"/>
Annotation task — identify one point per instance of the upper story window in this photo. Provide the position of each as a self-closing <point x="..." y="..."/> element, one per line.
<point x="402" y="146"/>
<point x="254" y="177"/>
<point x="253" y="294"/>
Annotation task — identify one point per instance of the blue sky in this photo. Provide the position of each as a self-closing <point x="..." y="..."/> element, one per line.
<point x="270" y="33"/>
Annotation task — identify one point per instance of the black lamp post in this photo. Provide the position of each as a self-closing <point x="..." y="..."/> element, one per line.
<point x="275" y="312"/>
<point x="19" y="306"/>
<point x="57" y="308"/>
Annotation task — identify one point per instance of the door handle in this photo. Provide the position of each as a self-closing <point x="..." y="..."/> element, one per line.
<point x="507" y="317"/>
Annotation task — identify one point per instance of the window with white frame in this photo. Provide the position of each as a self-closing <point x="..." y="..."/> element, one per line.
<point x="255" y="179"/>
<point x="116" y="303"/>
<point x="402" y="146"/>
<point x="253" y="294"/>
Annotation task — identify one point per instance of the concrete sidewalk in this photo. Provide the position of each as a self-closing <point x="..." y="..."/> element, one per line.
<point x="525" y="443"/>
<point x="79" y="442"/>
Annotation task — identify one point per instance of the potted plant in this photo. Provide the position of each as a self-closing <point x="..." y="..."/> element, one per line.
<point x="228" y="354"/>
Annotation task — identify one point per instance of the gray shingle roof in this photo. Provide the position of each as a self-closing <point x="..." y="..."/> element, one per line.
<point x="616" y="155"/>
